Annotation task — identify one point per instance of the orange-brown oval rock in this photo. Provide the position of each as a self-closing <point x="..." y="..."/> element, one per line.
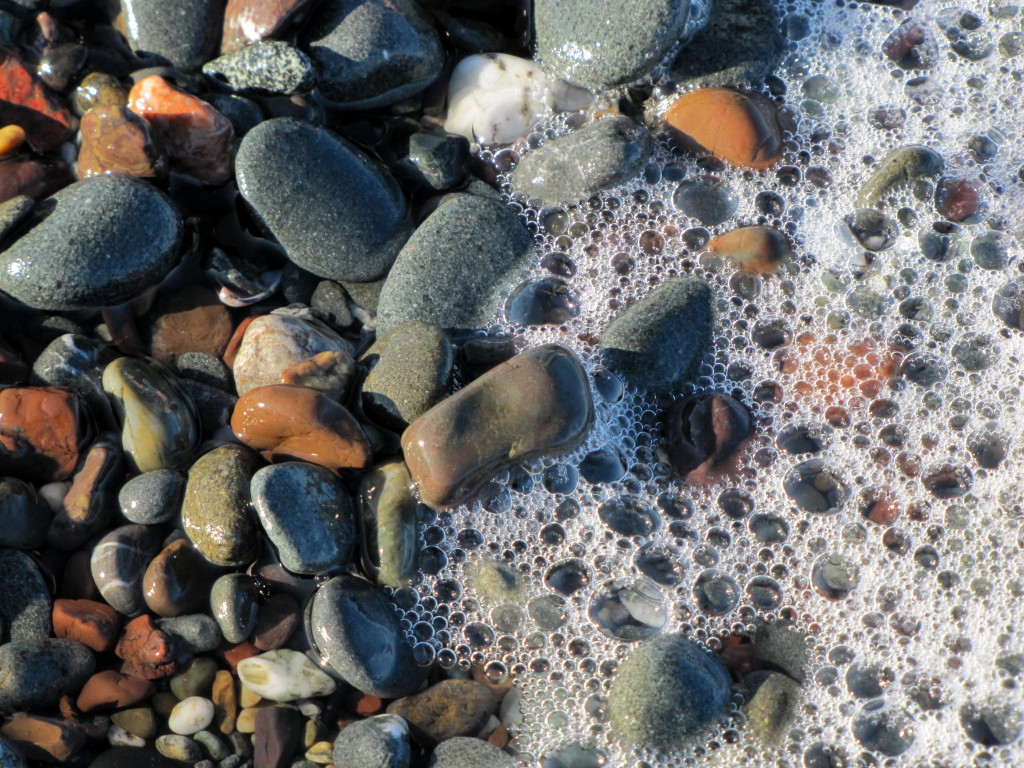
<point x="285" y="422"/>
<point x="87" y="621"/>
<point x="739" y="127"/>
<point x="110" y="689"/>
<point x="39" y="433"/>
<point x="753" y="249"/>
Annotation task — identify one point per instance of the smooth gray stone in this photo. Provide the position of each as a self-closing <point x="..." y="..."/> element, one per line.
<point x="773" y="705"/>
<point x="193" y="634"/>
<point x="601" y="154"/>
<point x="336" y="212"/>
<point x="102" y="241"/>
<point x="205" y="369"/>
<point x="604" y="43"/>
<point x="119" y="562"/>
<point x="381" y="742"/>
<point x="152" y="497"/>
<point x="243" y="113"/>
<point x="659" y="341"/>
<point x="453" y="268"/>
<point x="25" y="603"/>
<point x="355" y="629"/>
<point x="307" y="514"/>
<point x="36" y="673"/>
<point x="271" y="66"/>
<point x="185" y="32"/>
<point x="24" y="516"/>
<point x="235" y="604"/>
<point x="372" y="53"/>
<point x="467" y="752"/>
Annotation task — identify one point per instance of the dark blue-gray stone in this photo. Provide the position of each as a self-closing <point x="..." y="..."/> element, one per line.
<point x="235" y="604"/>
<point x="354" y="627"/>
<point x="452" y="269"/>
<point x="205" y="369"/>
<point x="604" y="43"/>
<point x="434" y="160"/>
<point x="307" y="514"/>
<point x="601" y="154"/>
<point x="36" y="673"/>
<point x="192" y="634"/>
<point x="381" y="742"/>
<point x="77" y="362"/>
<point x="24" y="516"/>
<point x="665" y="691"/>
<point x="9" y="756"/>
<point x="152" y="497"/>
<point x="96" y="243"/>
<point x="244" y="114"/>
<point x="270" y="66"/>
<point x="337" y="213"/>
<point x="25" y="605"/>
<point x="659" y="341"/>
<point x="467" y="752"/>
<point x="372" y="53"/>
<point x="185" y="32"/>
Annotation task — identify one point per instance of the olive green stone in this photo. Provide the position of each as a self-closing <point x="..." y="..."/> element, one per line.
<point x="772" y="707"/>
<point x="217" y="512"/>
<point x="897" y="169"/>
<point x="196" y="679"/>
<point x="138" y="721"/>
<point x="387" y="516"/>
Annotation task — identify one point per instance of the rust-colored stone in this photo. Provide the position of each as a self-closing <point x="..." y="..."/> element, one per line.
<point x="958" y="199"/>
<point x="736" y="126"/>
<point x="26" y="103"/>
<point x="235" y="654"/>
<point x="197" y="138"/>
<point x="753" y="249"/>
<point x="116" y="140"/>
<point x="248" y="21"/>
<point x="178" y="580"/>
<point x="706" y="432"/>
<point x="112" y="690"/>
<point x="286" y="422"/>
<point x="11" y="139"/>
<point x="278" y="619"/>
<point x="40" y="430"/>
<point x="146" y="649"/>
<point x="42" y="738"/>
<point x="89" y="622"/>
<point x="188" y="320"/>
<point x="235" y="342"/>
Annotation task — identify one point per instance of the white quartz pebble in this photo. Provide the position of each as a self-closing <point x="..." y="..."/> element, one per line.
<point x="191" y="715"/>
<point x="119" y="737"/>
<point x="284" y="675"/>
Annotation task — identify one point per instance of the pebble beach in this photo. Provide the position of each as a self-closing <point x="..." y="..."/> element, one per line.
<point x="497" y="383"/>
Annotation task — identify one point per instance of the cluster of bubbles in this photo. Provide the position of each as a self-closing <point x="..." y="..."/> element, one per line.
<point x="879" y="509"/>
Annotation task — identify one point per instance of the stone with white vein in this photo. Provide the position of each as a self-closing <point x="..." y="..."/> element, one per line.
<point x="284" y="675"/>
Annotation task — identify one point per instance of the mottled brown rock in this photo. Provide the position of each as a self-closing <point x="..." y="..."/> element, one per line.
<point x="89" y="504"/>
<point x="197" y="138"/>
<point x="247" y="21"/>
<point x="446" y="710"/>
<point x="89" y="622"/>
<point x="34" y="177"/>
<point x="42" y="738"/>
<point x="25" y="102"/>
<point x="146" y="649"/>
<point x="40" y="429"/>
<point x="753" y="249"/>
<point x="225" y="701"/>
<point x="191" y="319"/>
<point x="178" y="580"/>
<point x="330" y="372"/>
<point x="958" y="199"/>
<point x="739" y="127"/>
<point x="98" y="89"/>
<point x="705" y="433"/>
<point x="112" y="690"/>
<point x="116" y="140"/>
<point x="286" y="422"/>
<point x="537" y="403"/>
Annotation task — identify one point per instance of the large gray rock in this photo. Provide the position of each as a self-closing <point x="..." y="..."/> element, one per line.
<point x="36" y="673"/>
<point x="467" y="752"/>
<point x="604" y="43"/>
<point x="381" y="742"/>
<point x="184" y="32"/>
<point x="337" y="213"/>
<point x="25" y="607"/>
<point x="453" y="267"/>
<point x="101" y="242"/>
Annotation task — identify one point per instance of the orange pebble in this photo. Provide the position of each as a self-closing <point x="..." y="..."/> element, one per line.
<point x="11" y="139"/>
<point x="91" y="623"/>
<point x="736" y="126"/>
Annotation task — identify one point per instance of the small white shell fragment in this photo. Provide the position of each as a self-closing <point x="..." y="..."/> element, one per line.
<point x="493" y="98"/>
<point x="284" y="675"/>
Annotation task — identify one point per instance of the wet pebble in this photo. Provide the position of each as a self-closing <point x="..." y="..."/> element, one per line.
<point x="897" y="169"/>
<point x="118" y="566"/>
<point x="773" y="705"/>
<point x="271" y="66"/>
<point x="381" y="741"/>
<point x="445" y="710"/>
<point x="42" y="738"/>
<point x="40" y="430"/>
<point x="77" y="363"/>
<point x="433" y="160"/>
<point x="179" y="748"/>
<point x="188" y="321"/>
<point x="25" y="611"/>
<point x="177" y="581"/>
<point x="249" y="21"/>
<point x="278" y="619"/>
<point x="88" y="505"/>
<point x="116" y="140"/>
<point x="184" y="33"/>
<point x="153" y="497"/>
<point x="746" y="131"/>
<point x="761" y="250"/>
<point x="873" y="229"/>
<point x="235" y="604"/>
<point x="277" y="736"/>
<point x="466" y="752"/>
<point x="707" y="199"/>
<point x="192" y="634"/>
<point x="27" y="103"/>
<point x="389" y="532"/>
<point x="284" y="675"/>
<point x="191" y="715"/>
<point x="91" y="623"/>
<point x="110" y="689"/>
<point x="39" y="671"/>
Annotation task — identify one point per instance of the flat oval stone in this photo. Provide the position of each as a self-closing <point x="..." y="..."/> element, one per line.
<point x="178" y="580"/>
<point x="389" y="530"/>
<point x="566" y="169"/>
<point x="452" y="269"/>
<point x="659" y="341"/>
<point x="191" y="715"/>
<point x="284" y="675"/>
<point x="537" y="403"/>
<point x="152" y="497"/>
<point x="899" y="168"/>
<point x="235" y="604"/>
<point x="184" y="33"/>
<point x="353" y="219"/>
<point x="216" y="514"/>
<point x="447" y="709"/>
<point x="760" y="250"/>
<point x="248" y="21"/>
<point x="372" y="53"/>
<point x="287" y="422"/>
<point x="101" y="241"/>
<point x="26" y="607"/>
<point x="604" y="43"/>
<point x="740" y="127"/>
<point x="24" y="516"/>
<point x="38" y="672"/>
<point x="119" y="563"/>
<point x="307" y="514"/>
<point x="356" y="631"/>
<point x="160" y="428"/>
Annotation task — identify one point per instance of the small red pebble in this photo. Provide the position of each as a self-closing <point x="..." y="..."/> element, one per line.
<point x="368" y="705"/>
<point x="26" y="103"/>
<point x="233" y="655"/>
<point x="146" y="650"/>
<point x="957" y="199"/>
<point x="197" y="138"/>
<point x="87" y="621"/>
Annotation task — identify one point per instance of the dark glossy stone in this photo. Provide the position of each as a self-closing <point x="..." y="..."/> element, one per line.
<point x="24" y="516"/>
<point x="119" y="563"/>
<point x="536" y="404"/>
<point x="353" y="220"/>
<point x="88" y="506"/>
<point x="99" y="242"/>
<point x="25" y="102"/>
<point x="235" y="604"/>
<point x="354" y="627"/>
<point x="184" y="33"/>
<point x="77" y="363"/>
<point x="116" y="140"/>
<point x="248" y="21"/>
<point x="152" y="497"/>
<point x="389" y="530"/>
<point x="178" y="580"/>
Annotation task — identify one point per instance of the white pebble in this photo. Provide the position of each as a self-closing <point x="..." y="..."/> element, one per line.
<point x="119" y="737"/>
<point x="284" y="675"/>
<point x="493" y="98"/>
<point x="191" y="715"/>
